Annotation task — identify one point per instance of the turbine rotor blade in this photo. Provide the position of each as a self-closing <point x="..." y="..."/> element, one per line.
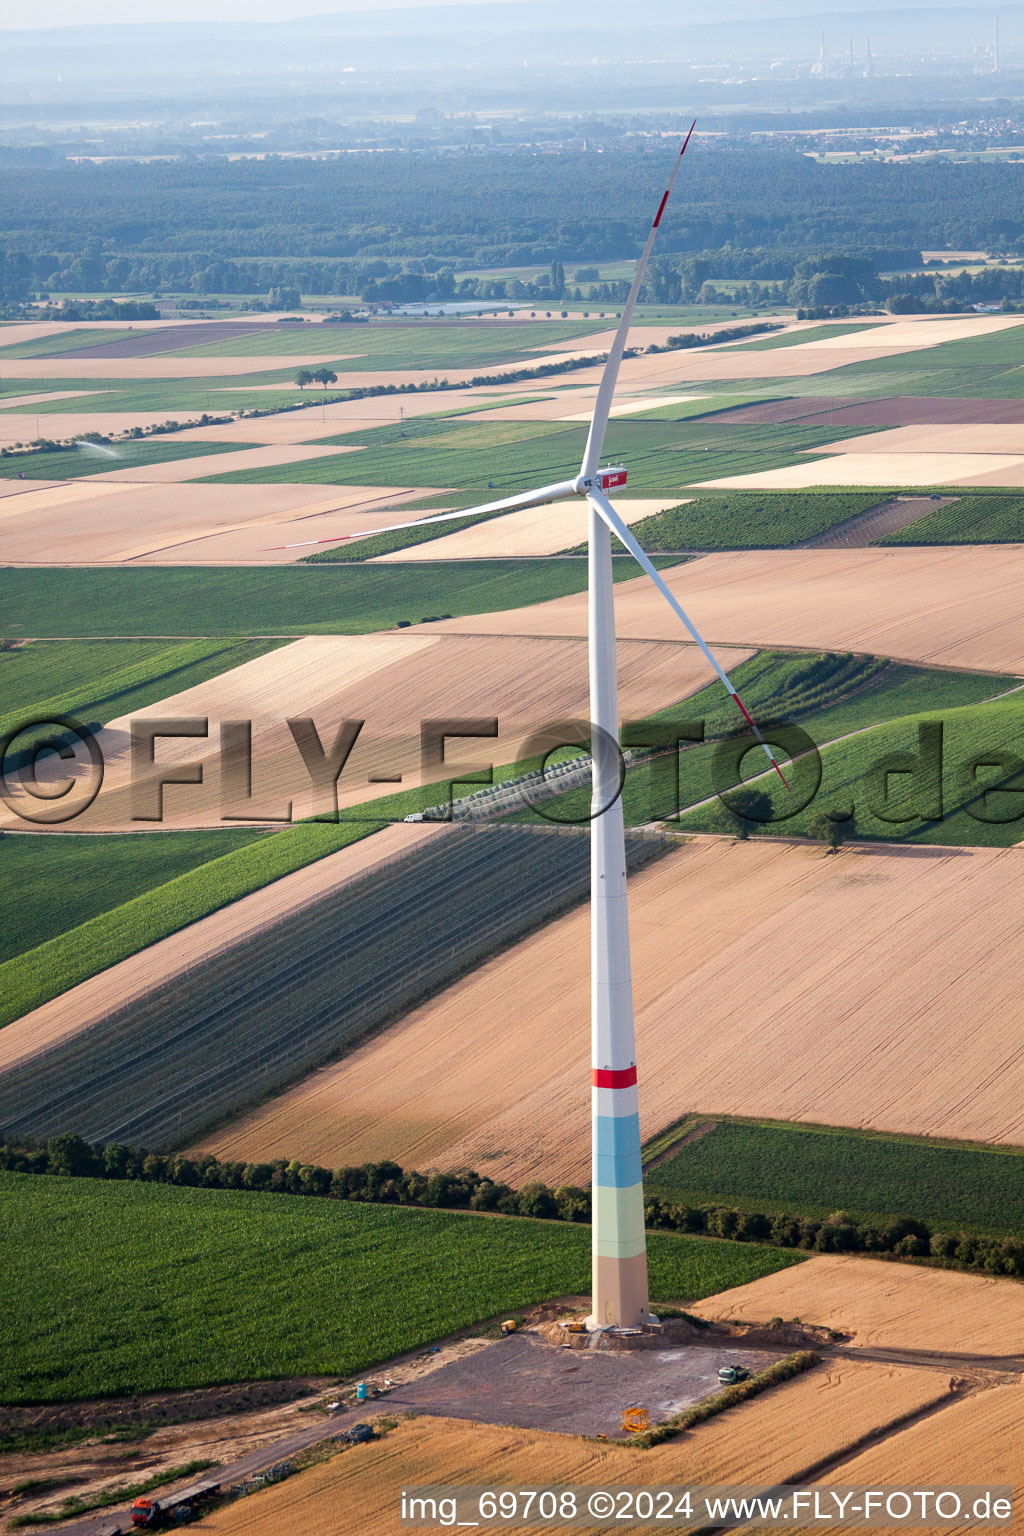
<point x="606" y="389"/>
<point x="605" y="509"/>
<point x="538" y="498"/>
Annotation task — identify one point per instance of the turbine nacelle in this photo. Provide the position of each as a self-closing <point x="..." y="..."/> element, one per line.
<point x="603" y="480"/>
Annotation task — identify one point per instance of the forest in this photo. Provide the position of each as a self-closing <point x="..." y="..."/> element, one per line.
<point x="210" y="225"/>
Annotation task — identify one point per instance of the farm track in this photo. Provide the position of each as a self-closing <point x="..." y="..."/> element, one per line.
<point x="272" y="1007"/>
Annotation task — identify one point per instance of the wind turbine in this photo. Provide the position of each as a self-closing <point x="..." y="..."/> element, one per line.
<point x="620" y="1295"/>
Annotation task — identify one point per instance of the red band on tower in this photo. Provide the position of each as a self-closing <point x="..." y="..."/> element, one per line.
<point x="609" y="1077"/>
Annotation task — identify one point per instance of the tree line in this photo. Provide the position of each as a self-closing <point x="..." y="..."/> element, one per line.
<point x="219" y="218"/>
<point x="901" y="1237"/>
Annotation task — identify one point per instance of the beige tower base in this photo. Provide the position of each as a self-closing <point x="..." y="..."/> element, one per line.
<point x="620" y="1293"/>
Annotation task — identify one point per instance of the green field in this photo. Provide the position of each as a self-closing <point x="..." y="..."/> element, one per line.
<point x="505" y="457"/>
<point x="988" y="519"/>
<point x="97" y="681"/>
<point x="128" y="1288"/>
<point x="940" y="803"/>
<point x="85" y="459"/>
<point x="815" y="1170"/>
<point x="705" y="405"/>
<point x="827" y="696"/>
<point x="51" y="884"/>
<point x="122" y="924"/>
<point x="749" y="520"/>
<point x="282" y="600"/>
<point x="979" y="367"/>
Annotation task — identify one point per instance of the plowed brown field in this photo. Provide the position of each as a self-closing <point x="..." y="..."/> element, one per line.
<point x="84" y="522"/>
<point x="392" y="682"/>
<point x="538" y="531"/>
<point x="886" y="1305"/>
<point x="774" y="957"/>
<point x="769" y="1440"/>
<point x="958" y="607"/>
<point x="892" y="468"/>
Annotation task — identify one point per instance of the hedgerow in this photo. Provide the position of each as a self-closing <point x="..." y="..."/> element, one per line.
<point x="387" y="1183"/>
<point x="739" y="1392"/>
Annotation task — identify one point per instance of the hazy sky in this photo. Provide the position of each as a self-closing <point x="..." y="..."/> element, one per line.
<point x="77" y="13"/>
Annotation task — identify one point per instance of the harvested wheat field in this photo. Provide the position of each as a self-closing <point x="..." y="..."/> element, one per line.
<point x="938" y="438"/>
<point x="279" y="541"/>
<point x="84" y="523"/>
<point x="13" y="334"/>
<point x="912" y="335"/>
<point x="25" y="426"/>
<point x="976" y="1441"/>
<point x="896" y="1306"/>
<point x="84" y="1005"/>
<point x="957" y="607"/>
<point x="391" y="682"/>
<point x="723" y="973"/>
<point x="537" y="531"/>
<point x="634" y="407"/>
<point x="769" y="1440"/>
<point x="886" y="468"/>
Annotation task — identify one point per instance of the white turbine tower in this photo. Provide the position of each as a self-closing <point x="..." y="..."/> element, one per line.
<point x="620" y="1297"/>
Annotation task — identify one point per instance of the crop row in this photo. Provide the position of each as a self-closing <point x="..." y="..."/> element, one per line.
<point x="281" y="1002"/>
<point x="814" y="1171"/>
<point x="969" y="520"/>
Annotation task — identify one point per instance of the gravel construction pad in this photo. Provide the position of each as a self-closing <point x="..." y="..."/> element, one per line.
<point x="535" y="1385"/>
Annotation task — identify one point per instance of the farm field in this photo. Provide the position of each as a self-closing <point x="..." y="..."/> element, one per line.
<point x="390" y="682"/>
<point x="510" y="456"/>
<point x="87" y="459"/>
<point x="830" y="697"/>
<point x="965" y="792"/>
<point x="340" y="599"/>
<point x="765" y="1441"/>
<point x="868" y="995"/>
<point x="129" y="926"/>
<point x="110" y="520"/>
<point x="878" y="469"/>
<point x="537" y="531"/>
<point x="816" y="1170"/>
<point x="319" y="863"/>
<point x="49" y="885"/>
<point x="954" y="607"/>
<point x="887" y="1306"/>
<point x="803" y="335"/>
<point x="412" y="344"/>
<point x="254" y="1294"/>
<point x="976" y="1438"/>
<point x="748" y="521"/>
<point x="95" y="680"/>
<point x="887" y="410"/>
<point x="969" y="520"/>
